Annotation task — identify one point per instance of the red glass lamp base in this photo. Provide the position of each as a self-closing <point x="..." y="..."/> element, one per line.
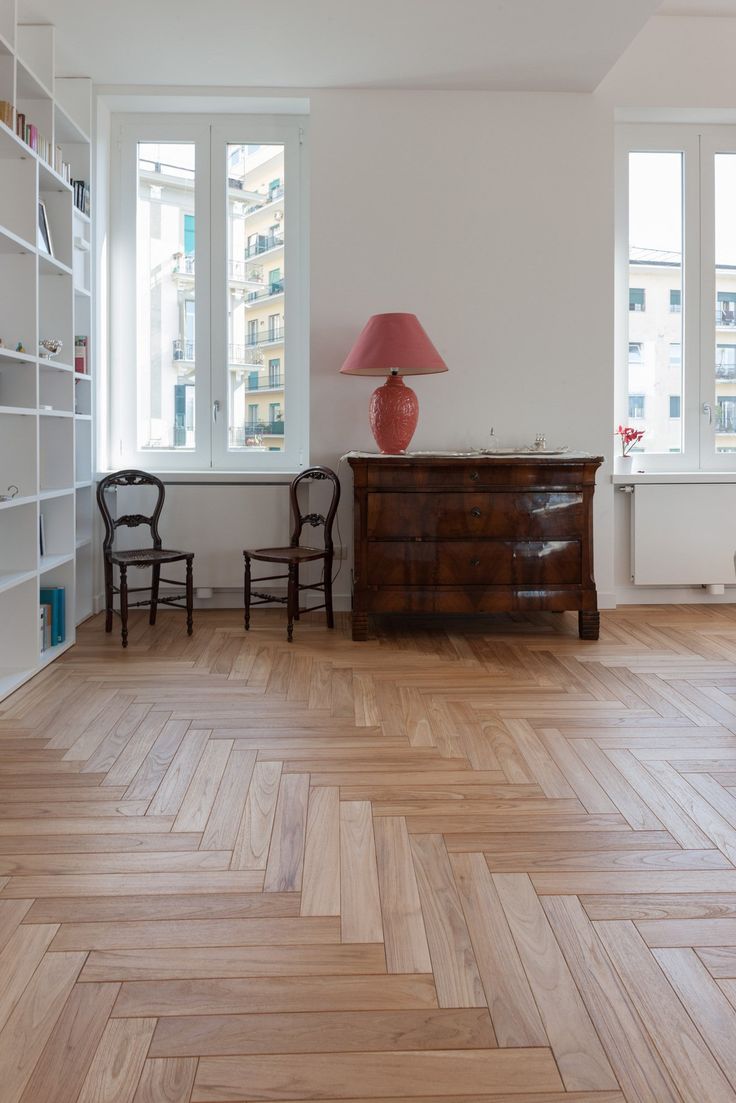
<point x="394" y="412"/>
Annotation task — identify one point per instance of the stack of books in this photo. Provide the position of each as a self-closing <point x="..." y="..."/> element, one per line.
<point x="27" y="132"/>
<point x="52" y="616"/>
<point x="81" y="195"/>
<point x="7" y="114"/>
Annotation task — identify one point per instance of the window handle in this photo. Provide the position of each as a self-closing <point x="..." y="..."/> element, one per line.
<point x="215" y="410"/>
<point x="708" y="409"/>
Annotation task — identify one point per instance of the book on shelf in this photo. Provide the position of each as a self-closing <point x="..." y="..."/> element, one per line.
<point x="41" y="535"/>
<point x="7" y="114"/>
<point x="45" y="627"/>
<point x="55" y="596"/>
<point x="81" y="195"/>
<point x="80" y="354"/>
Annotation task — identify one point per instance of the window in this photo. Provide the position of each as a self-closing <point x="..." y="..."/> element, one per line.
<point x="675" y="214"/>
<point x="636" y="405"/>
<point x="210" y="215"/>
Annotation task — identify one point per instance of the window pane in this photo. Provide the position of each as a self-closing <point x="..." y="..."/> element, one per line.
<point x="165" y="267"/>
<point x="655" y="299"/>
<point x="256" y="291"/>
<point x="725" y="243"/>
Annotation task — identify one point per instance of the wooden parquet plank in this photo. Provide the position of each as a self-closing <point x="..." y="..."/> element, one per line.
<point x="254" y="835"/>
<point x="323" y="1032"/>
<point x="221" y="829"/>
<point x="360" y="906"/>
<point x="271" y="995"/>
<point x="27" y="1030"/>
<point x="59" y="1074"/>
<point x="578" y="1051"/>
<point x="18" y="962"/>
<point x="166" y="1080"/>
<point x="171" y="791"/>
<point x="450" y="947"/>
<point x="153" y="934"/>
<point x="118" y="1063"/>
<point x="403" y="924"/>
<point x="513" y="1010"/>
<point x="350" y="1075"/>
<point x="321" y="879"/>
<point x="286" y="854"/>
<point x="200" y="796"/>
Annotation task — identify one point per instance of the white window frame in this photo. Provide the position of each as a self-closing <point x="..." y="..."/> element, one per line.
<point x="211" y="134"/>
<point x="698" y="144"/>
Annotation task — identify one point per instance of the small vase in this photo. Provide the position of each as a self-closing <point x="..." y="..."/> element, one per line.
<point x="623" y="465"/>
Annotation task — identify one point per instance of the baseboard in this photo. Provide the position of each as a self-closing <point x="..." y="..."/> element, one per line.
<point x="673" y="595"/>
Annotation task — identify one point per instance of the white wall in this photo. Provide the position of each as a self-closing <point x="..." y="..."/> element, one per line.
<point x="490" y="216"/>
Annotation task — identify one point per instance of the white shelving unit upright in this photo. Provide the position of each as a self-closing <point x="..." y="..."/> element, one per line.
<point x="46" y="406"/>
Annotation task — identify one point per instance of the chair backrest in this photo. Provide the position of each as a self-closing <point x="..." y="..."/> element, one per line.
<point x="129" y="520"/>
<point x="300" y="519"/>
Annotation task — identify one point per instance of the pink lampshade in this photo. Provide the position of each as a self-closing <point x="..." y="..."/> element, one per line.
<point x="393" y="342"/>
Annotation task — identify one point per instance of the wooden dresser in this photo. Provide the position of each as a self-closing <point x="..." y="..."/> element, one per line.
<point x="474" y="534"/>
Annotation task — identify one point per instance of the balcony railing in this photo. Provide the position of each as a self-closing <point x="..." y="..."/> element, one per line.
<point x="272" y="336"/>
<point x="264" y="243"/>
<point x="725" y="373"/>
<point x="183" y="350"/>
<point x="726" y="423"/>
<point x="274" y="383"/>
<point x="245" y="355"/>
<point x="276" y="288"/>
<point x="240" y="435"/>
<point x="726" y="315"/>
<point x="183" y="264"/>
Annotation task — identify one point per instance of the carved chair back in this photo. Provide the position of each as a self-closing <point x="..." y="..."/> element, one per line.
<point x="129" y="520"/>
<point x="299" y="519"/>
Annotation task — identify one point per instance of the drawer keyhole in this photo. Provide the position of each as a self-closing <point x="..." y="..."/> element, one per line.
<point x="474" y="476"/>
<point x="475" y="512"/>
<point x="475" y="562"/>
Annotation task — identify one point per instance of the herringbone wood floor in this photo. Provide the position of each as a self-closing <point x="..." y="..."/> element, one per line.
<point x="463" y="862"/>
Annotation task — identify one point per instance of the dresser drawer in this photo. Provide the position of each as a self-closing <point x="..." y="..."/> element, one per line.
<point x="473" y="563"/>
<point x="433" y="515"/>
<point x="464" y="474"/>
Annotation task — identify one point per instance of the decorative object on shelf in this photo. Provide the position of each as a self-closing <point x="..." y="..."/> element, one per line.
<point x="2" y="343"/>
<point x="44" y="232"/>
<point x="50" y="347"/>
<point x="393" y="345"/>
<point x="41" y="535"/>
<point x="629" y="438"/>
<point x="10" y="493"/>
<point x="20" y="347"/>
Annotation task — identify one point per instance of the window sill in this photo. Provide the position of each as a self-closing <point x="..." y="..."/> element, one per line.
<point x="673" y="477"/>
<point x="219" y="478"/>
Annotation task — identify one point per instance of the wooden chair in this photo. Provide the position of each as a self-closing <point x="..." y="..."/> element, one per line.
<point x="294" y="555"/>
<point x="152" y="557"/>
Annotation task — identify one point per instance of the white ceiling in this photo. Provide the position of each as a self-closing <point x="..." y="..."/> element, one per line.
<point x="534" y="45"/>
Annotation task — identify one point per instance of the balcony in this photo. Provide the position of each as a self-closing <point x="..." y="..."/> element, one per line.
<point x="264" y="244"/>
<point x="726" y="315"/>
<point x="183" y="350"/>
<point x="254" y="432"/>
<point x="244" y="355"/>
<point x="183" y="264"/>
<point x="725" y="373"/>
<point x="273" y="289"/>
<point x="273" y="336"/>
<point x="274" y="383"/>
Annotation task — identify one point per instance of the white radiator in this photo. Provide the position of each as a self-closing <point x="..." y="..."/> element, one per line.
<point x="684" y="534"/>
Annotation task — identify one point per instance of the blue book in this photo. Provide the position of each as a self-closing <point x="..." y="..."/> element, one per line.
<point x="55" y="597"/>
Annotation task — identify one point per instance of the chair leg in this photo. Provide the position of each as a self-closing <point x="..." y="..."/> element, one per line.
<point x="298" y="594"/>
<point x="108" y="595"/>
<point x="246" y="592"/>
<point x="292" y="600"/>
<point x="328" y="592"/>
<point x="190" y="596"/>
<point x="155" y="579"/>
<point x="124" y="603"/>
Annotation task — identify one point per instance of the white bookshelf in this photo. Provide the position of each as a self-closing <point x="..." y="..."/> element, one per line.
<point x="46" y="406"/>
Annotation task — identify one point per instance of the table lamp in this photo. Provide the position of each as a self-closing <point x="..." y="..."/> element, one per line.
<point x="393" y="345"/>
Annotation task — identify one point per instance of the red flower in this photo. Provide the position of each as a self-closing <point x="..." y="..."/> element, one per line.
<point x="629" y="437"/>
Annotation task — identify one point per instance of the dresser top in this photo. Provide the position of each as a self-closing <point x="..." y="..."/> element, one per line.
<point x="552" y="458"/>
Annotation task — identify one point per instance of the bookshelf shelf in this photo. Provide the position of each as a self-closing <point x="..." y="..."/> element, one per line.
<point x="46" y="431"/>
<point x="51" y="562"/>
<point x="9" y="579"/>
